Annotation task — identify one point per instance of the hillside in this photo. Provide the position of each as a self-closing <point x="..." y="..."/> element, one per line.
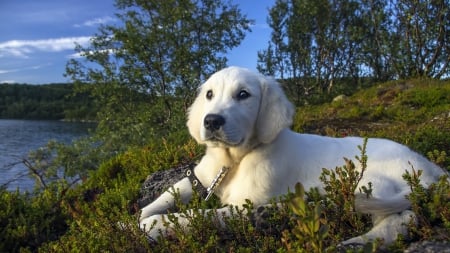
<point x="47" y="101"/>
<point x="87" y="216"/>
<point x="414" y="112"/>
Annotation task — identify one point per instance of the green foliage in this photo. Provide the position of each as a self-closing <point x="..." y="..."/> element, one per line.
<point x="205" y="234"/>
<point x="429" y="138"/>
<point x="103" y="213"/>
<point x="311" y="229"/>
<point x="339" y="200"/>
<point x="439" y="158"/>
<point x="346" y="179"/>
<point x="417" y="44"/>
<point x="317" y="47"/>
<point x="428" y="97"/>
<point x="148" y="68"/>
<point x="102" y="210"/>
<point x="66" y="162"/>
<point x="28" y="221"/>
<point x="431" y="206"/>
<point x="322" y="221"/>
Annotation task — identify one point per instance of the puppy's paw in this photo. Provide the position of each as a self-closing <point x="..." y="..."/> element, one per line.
<point x="156" y="226"/>
<point x="260" y="217"/>
<point x="160" y="225"/>
<point x="359" y="240"/>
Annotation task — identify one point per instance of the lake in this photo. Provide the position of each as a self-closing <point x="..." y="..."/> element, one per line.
<point x="19" y="137"/>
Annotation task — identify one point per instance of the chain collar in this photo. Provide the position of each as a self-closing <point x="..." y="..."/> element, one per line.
<point x="219" y="177"/>
<point x="208" y="192"/>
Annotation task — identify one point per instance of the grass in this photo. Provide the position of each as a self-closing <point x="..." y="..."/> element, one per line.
<point x="415" y="113"/>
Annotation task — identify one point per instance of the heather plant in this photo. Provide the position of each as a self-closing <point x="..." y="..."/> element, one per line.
<point x="340" y="186"/>
<point x="322" y="221"/>
<point x="439" y="157"/>
<point x="431" y="205"/>
<point x="27" y="221"/>
<point x="311" y="228"/>
<point x="205" y="233"/>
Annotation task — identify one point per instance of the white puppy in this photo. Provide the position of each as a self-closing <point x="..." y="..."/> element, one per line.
<point x="243" y="118"/>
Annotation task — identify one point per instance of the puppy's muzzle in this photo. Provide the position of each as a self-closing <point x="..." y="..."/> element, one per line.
<point x="213" y="122"/>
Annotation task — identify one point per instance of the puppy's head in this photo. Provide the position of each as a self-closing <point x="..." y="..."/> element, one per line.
<point x="236" y="107"/>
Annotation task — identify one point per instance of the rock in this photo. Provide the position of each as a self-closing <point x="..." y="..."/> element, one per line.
<point x="340" y="98"/>
<point x="429" y="247"/>
<point x="160" y="181"/>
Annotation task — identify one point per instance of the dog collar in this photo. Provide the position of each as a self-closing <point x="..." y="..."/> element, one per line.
<point x="216" y="181"/>
<point x="208" y="192"/>
<point x="195" y="182"/>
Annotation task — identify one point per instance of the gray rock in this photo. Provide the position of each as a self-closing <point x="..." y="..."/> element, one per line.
<point x="160" y="181"/>
<point x="341" y="97"/>
<point x="429" y="247"/>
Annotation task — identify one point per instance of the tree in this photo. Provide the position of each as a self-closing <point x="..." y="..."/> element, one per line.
<point x="378" y="24"/>
<point x="422" y="38"/>
<point x="144" y="72"/>
<point x="313" y="43"/>
<point x="318" y="44"/>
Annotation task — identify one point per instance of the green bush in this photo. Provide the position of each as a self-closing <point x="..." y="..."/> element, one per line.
<point x="27" y="221"/>
<point x="431" y="205"/>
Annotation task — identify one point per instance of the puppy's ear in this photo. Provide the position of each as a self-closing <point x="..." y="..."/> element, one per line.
<point x="194" y="117"/>
<point x="275" y="112"/>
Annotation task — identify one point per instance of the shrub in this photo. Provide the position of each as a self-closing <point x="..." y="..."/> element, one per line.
<point x="431" y="205"/>
<point x="27" y="221"/>
<point x="311" y="228"/>
<point x="344" y="217"/>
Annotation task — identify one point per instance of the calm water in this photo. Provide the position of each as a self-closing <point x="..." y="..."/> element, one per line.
<point x="19" y="137"/>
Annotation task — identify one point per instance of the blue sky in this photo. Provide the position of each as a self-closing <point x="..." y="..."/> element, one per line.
<point x="37" y="36"/>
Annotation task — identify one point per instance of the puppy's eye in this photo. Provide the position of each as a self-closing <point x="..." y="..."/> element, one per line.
<point x="243" y="94"/>
<point x="209" y="95"/>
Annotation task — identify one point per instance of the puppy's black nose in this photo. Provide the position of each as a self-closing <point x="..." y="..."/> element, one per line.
<point x="213" y="122"/>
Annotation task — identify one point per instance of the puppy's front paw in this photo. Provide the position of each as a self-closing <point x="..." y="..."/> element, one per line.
<point x="155" y="226"/>
<point x="160" y="225"/>
<point x="358" y="240"/>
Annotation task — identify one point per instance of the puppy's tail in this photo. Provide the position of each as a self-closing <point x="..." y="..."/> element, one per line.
<point x="381" y="207"/>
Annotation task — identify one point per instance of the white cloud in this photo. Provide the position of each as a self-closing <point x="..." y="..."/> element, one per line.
<point x="96" y="21"/>
<point x="35" y="67"/>
<point x="21" y="48"/>
<point x="6" y="71"/>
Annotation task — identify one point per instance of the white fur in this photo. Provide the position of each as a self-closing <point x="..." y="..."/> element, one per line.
<point x="266" y="158"/>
